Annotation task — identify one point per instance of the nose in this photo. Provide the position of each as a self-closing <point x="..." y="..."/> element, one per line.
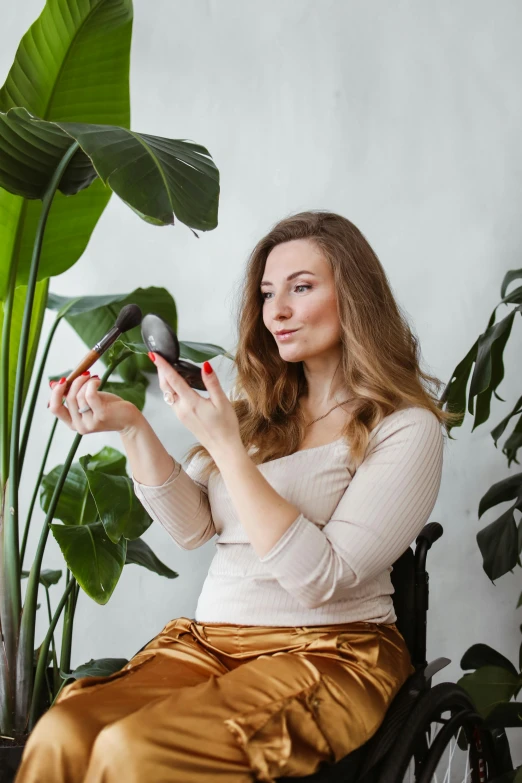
<point x="280" y="306"/>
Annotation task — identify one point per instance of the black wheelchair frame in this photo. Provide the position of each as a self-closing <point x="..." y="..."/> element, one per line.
<point x="402" y="738"/>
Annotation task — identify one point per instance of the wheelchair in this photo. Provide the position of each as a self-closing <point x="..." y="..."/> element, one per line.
<point x="430" y="733"/>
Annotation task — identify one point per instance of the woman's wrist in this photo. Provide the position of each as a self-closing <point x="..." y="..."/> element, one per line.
<point x="137" y="422"/>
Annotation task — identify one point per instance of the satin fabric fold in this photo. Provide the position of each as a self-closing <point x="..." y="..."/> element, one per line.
<point x="222" y="702"/>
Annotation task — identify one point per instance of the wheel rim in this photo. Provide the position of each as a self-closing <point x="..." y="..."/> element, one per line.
<point x="455" y="751"/>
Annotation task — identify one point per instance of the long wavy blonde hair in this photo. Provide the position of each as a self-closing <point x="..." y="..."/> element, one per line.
<point x="380" y="354"/>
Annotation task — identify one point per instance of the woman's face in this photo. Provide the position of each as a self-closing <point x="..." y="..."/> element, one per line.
<point x="305" y="303"/>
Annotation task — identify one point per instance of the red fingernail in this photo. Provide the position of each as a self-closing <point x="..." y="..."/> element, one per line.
<point x="95" y="376"/>
<point x="86" y="372"/>
<point x="62" y="380"/>
<point x="152" y="356"/>
<point x="52" y="383"/>
<point x="207" y="367"/>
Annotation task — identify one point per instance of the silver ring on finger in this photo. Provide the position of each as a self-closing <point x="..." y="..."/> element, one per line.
<point x="168" y="397"/>
<point x="85" y="409"/>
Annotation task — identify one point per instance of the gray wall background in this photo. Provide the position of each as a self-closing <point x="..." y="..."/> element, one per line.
<point x="405" y="117"/>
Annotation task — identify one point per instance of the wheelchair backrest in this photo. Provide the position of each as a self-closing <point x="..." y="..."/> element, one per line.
<point x="403" y="580"/>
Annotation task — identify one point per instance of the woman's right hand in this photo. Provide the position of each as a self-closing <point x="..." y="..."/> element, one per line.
<point x="108" y="412"/>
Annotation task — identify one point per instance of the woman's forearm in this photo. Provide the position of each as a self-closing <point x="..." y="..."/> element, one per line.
<point x="263" y="512"/>
<point x="150" y="462"/>
<point x="169" y="495"/>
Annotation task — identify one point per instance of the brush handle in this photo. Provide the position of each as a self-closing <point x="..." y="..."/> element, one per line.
<point x="87" y="361"/>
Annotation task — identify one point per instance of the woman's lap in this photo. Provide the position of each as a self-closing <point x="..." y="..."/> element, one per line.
<point x="201" y="703"/>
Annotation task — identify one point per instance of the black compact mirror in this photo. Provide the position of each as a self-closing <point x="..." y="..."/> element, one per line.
<point x="160" y="337"/>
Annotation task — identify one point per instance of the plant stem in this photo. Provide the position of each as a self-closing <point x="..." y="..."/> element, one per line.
<point x="63" y="684"/>
<point x="4" y="366"/>
<point x="68" y="631"/>
<point x="65" y="653"/>
<point x="42" y="658"/>
<point x="32" y="403"/>
<point x="13" y="606"/>
<point x="68" y="621"/>
<point x="53" y="646"/>
<point x="35" y="493"/>
<point x="6" y="681"/>
<point x="24" y="667"/>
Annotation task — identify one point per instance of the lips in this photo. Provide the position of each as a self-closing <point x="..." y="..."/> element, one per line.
<point x="283" y="336"/>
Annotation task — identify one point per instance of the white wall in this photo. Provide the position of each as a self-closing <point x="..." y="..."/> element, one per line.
<point x="406" y="118"/>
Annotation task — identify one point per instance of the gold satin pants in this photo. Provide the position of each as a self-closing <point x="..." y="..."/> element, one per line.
<point x="203" y="703"/>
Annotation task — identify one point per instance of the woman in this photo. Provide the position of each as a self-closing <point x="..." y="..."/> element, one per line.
<point x="316" y="475"/>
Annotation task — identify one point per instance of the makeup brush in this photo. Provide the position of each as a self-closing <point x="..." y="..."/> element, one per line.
<point x="128" y="317"/>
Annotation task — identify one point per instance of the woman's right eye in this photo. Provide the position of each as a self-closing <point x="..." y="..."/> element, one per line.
<point x="299" y="285"/>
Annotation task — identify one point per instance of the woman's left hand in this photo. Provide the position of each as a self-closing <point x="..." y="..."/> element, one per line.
<point x="212" y="421"/>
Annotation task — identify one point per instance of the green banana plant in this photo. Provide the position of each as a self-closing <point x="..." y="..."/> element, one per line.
<point x="495" y="682"/>
<point x="65" y="146"/>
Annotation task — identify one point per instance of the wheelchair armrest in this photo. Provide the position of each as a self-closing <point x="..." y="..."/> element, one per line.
<point x="430" y="533"/>
<point x="420" y="681"/>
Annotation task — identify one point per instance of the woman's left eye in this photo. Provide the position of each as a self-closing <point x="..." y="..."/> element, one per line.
<point x="303" y="285"/>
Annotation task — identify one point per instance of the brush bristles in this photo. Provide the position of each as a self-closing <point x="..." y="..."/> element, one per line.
<point x="129" y="317"/>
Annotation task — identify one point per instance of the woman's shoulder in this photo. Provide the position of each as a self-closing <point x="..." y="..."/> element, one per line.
<point x="412" y="419"/>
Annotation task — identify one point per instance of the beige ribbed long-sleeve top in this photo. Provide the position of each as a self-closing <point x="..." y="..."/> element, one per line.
<point x="333" y="564"/>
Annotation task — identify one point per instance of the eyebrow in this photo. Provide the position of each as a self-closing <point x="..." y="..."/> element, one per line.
<point x="291" y="277"/>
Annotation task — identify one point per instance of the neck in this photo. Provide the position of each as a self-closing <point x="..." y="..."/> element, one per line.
<point x="324" y="383"/>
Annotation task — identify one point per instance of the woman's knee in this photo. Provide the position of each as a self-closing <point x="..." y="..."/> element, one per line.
<point x="58" y="725"/>
<point x="62" y="733"/>
<point x="115" y="754"/>
<point x="58" y="747"/>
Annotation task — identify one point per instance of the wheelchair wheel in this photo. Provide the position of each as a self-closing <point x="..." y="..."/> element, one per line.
<point x="442" y="741"/>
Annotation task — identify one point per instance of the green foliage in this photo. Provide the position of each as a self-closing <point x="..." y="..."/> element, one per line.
<point x="158" y="178"/>
<point x="495" y="682"/>
<point x="99" y="512"/>
<point x="103" y="667"/>
<point x="500" y="542"/>
<point x="65" y="145"/>
<point x="91" y="86"/>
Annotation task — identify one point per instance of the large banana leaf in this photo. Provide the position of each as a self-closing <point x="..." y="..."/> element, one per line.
<point x="76" y="505"/>
<point x="140" y="553"/>
<point x="95" y="561"/>
<point x="120" y="511"/>
<point x="92" y="317"/>
<point x="95" y="550"/>
<point x="71" y="65"/>
<point x="157" y="177"/>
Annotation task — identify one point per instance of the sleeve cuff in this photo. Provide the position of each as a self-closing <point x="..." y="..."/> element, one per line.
<point x="279" y="547"/>
<point x="173" y="476"/>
